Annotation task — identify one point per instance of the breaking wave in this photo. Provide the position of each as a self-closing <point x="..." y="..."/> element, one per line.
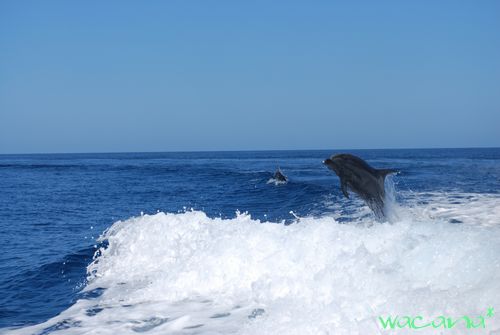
<point x="187" y="273"/>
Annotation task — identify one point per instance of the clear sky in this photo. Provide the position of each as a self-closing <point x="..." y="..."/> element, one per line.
<point x="108" y="76"/>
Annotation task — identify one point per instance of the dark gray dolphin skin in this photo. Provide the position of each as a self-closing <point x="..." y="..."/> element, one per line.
<point x="367" y="182"/>
<point x="279" y="176"/>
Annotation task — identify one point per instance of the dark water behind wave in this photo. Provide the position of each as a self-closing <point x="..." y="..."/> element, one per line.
<point x="53" y="206"/>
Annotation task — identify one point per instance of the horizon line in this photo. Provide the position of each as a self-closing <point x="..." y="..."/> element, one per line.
<point x="244" y="150"/>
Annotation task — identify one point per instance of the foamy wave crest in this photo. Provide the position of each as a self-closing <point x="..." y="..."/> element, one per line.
<point x="187" y="273"/>
<point x="276" y="182"/>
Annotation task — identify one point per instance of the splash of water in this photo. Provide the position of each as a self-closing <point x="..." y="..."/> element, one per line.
<point x="392" y="209"/>
<point x="186" y="273"/>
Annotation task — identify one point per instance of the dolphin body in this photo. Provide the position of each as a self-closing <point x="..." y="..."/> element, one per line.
<point x="279" y="176"/>
<point x="362" y="179"/>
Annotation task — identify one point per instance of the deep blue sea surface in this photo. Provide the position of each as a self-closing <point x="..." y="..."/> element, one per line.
<point x="53" y="207"/>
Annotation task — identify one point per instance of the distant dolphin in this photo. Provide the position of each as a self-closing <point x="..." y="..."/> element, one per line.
<point x="362" y="179"/>
<point x="279" y="176"/>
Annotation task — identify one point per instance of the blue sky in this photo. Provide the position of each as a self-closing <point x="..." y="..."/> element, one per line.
<point x="109" y="76"/>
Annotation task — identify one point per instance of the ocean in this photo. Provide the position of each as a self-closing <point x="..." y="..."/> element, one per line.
<point x="206" y="243"/>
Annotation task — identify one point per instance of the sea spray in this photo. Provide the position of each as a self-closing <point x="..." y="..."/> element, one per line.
<point x="392" y="210"/>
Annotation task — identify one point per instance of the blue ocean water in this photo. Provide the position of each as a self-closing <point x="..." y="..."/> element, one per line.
<point x="53" y="207"/>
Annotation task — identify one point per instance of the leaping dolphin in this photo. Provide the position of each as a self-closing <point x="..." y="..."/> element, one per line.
<point x="362" y="179"/>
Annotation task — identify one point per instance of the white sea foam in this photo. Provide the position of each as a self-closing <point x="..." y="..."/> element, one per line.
<point x="468" y="208"/>
<point x="276" y="181"/>
<point x="190" y="274"/>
